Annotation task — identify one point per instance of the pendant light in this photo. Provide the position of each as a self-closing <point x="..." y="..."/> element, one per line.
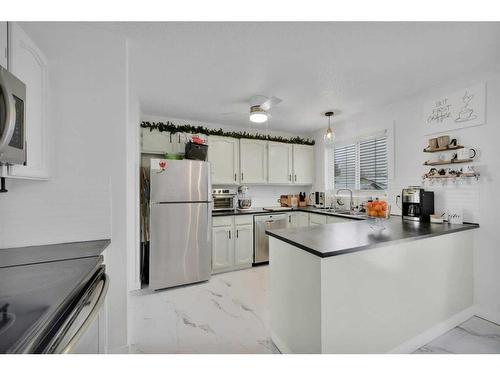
<point x="329" y="136"/>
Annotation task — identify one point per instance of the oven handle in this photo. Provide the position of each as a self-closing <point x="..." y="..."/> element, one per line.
<point x="10" y="113"/>
<point x="90" y="318"/>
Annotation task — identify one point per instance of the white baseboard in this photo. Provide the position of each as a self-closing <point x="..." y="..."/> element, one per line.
<point x="492" y="316"/>
<point x="280" y="345"/>
<point x="427" y="336"/>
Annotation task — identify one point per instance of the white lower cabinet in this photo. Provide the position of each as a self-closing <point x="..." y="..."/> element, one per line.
<point x="222" y="248"/>
<point x="243" y="249"/>
<point x="232" y="243"/>
<point x="336" y="219"/>
<point x="316" y="219"/>
<point x="298" y="219"/>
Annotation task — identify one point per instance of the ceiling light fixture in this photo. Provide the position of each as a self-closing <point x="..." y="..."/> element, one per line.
<point x="257" y="114"/>
<point x="329" y="137"/>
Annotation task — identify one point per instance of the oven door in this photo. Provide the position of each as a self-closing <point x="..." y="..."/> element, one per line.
<point x="81" y="317"/>
<point x="12" y="119"/>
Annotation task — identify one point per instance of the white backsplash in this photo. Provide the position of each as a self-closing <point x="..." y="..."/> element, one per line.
<point x="268" y="195"/>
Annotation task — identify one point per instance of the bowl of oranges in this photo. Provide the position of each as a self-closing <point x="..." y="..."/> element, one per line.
<point x="378" y="211"/>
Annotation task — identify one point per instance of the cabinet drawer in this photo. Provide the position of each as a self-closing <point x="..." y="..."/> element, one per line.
<point x="220" y="221"/>
<point x="243" y="219"/>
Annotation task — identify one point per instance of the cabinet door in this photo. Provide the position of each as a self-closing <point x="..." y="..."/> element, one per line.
<point x="253" y="161"/>
<point x="303" y="164"/>
<point x="223" y="155"/>
<point x="279" y="163"/>
<point x="299" y="219"/>
<point x="155" y="142"/>
<point x="243" y="251"/>
<point x="315" y="219"/>
<point x="336" y="219"/>
<point x="3" y="44"/>
<point x="29" y="64"/>
<point x="222" y="247"/>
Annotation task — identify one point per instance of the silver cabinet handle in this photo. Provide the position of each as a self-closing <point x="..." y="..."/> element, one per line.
<point x="295" y="178"/>
<point x="241" y="176"/>
<point x="235" y="177"/>
<point x="229" y="234"/>
<point x="170" y="134"/>
<point x="10" y="114"/>
<point x="237" y="233"/>
<point x="289" y="177"/>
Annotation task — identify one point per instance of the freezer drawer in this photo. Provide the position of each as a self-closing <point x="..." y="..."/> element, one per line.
<point x="261" y="239"/>
<point x="180" y="244"/>
<point x="180" y="181"/>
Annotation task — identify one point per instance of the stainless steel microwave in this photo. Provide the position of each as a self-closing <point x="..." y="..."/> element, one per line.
<point x="12" y="119"/>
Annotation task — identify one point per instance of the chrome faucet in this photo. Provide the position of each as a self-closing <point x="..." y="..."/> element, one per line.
<point x="351" y="203"/>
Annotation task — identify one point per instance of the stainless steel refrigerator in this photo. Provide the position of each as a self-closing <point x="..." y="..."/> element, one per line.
<point x="180" y="223"/>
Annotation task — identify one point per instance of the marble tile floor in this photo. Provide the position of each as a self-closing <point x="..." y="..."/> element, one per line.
<point x="228" y="314"/>
<point x="474" y="336"/>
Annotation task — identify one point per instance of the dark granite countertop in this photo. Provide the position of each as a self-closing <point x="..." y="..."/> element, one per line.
<point x="335" y="239"/>
<point x="48" y="253"/>
<point x="261" y="211"/>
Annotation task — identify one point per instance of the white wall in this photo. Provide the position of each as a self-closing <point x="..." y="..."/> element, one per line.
<point x="84" y="199"/>
<point x="479" y="200"/>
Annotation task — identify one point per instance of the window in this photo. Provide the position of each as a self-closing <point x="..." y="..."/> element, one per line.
<point x="361" y="165"/>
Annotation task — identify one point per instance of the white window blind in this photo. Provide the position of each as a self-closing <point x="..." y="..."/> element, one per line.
<point x="373" y="169"/>
<point x="345" y="167"/>
<point x="361" y="165"/>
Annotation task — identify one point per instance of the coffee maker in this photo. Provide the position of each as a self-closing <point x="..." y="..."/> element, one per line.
<point x="417" y="204"/>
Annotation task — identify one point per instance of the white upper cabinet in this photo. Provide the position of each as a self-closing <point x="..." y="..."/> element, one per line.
<point x="29" y="64"/>
<point x="280" y="160"/>
<point x="303" y="164"/>
<point x="155" y="142"/>
<point x="223" y="155"/>
<point x="253" y="161"/>
<point x="3" y="44"/>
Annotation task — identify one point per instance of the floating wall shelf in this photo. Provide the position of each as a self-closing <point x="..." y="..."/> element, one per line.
<point x="448" y="148"/>
<point x="445" y="162"/>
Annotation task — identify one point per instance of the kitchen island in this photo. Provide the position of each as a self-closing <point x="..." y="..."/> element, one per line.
<point x="347" y="288"/>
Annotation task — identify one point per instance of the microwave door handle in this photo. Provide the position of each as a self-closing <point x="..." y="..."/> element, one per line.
<point x="10" y="114"/>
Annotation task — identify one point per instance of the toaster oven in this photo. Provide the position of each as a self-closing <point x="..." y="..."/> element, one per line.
<point x="224" y="199"/>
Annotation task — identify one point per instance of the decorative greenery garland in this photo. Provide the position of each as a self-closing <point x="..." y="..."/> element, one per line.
<point x="172" y="128"/>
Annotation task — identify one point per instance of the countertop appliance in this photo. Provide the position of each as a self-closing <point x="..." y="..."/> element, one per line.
<point x="244" y="199"/>
<point x="12" y="119"/>
<point x="180" y="223"/>
<point x="50" y="295"/>
<point x="417" y="204"/>
<point x="318" y="199"/>
<point x="224" y="199"/>
<point x="261" y="239"/>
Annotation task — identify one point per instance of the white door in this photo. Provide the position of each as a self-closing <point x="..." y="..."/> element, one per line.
<point x="29" y="65"/>
<point x="315" y="219"/>
<point x="303" y="164"/>
<point x="336" y="219"/>
<point x="280" y="159"/>
<point x="222" y="247"/>
<point x="253" y="161"/>
<point x="223" y="153"/>
<point x="243" y="251"/>
<point x="3" y="44"/>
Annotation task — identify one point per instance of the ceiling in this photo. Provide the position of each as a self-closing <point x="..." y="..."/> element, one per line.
<point x="198" y="71"/>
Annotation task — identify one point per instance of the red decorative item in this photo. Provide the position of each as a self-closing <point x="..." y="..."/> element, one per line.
<point x="198" y="140"/>
<point x="162" y="164"/>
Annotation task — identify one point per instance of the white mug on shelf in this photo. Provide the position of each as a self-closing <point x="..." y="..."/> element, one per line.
<point x="466" y="153"/>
